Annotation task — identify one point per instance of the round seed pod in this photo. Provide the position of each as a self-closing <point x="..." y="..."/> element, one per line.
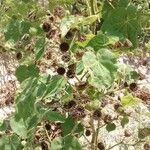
<point x="107" y="119"/>
<point x="88" y="132"/>
<point x="64" y="47"/>
<point x="59" y="11"/>
<point x="125" y="84"/>
<point x="70" y="74"/>
<point x="72" y="67"/>
<point x="127" y="133"/>
<point x="19" y="55"/>
<point x="44" y="145"/>
<point x="47" y="126"/>
<point x="70" y="104"/>
<point x="145" y="62"/>
<point x="48" y="55"/>
<point x="51" y="18"/>
<point x="101" y="146"/>
<point x="133" y="86"/>
<point x="97" y="114"/>
<point x="46" y="27"/>
<point x="116" y="106"/>
<point x="61" y="70"/>
<point x="65" y="58"/>
<point x="146" y="146"/>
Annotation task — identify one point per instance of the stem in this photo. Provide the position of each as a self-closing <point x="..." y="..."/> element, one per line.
<point x="93" y="3"/>
<point x="89" y="8"/>
<point x="96" y="135"/>
<point x="93" y="133"/>
<point x="115" y="145"/>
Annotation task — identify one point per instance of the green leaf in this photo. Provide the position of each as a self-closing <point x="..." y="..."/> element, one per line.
<point x="19" y="127"/>
<point x="25" y="106"/>
<point x="57" y="144"/>
<point x="122" y="21"/>
<point x="87" y="20"/>
<point x="12" y="31"/>
<point x="50" y="115"/>
<point x="55" y="84"/>
<point x="68" y="94"/>
<point x="16" y="29"/>
<point x="99" y="41"/>
<point x="129" y="100"/>
<point x="71" y="143"/>
<point x="101" y="68"/>
<point x="83" y="44"/>
<point x="75" y="21"/>
<point x="10" y="143"/>
<point x="39" y="48"/>
<point x="3" y="125"/>
<point x="110" y="127"/>
<point x="67" y="126"/>
<point x="66" y="23"/>
<point x="23" y="72"/>
<point x="124" y="121"/>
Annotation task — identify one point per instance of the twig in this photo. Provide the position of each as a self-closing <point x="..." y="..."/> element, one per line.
<point x="93" y="133"/>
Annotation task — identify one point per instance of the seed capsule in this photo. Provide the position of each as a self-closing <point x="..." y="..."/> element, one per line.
<point x="64" y="47"/>
<point x="146" y="146"/>
<point x="133" y="86"/>
<point x="46" y="26"/>
<point x="66" y="58"/>
<point x="47" y="126"/>
<point x="87" y="132"/>
<point x="19" y="55"/>
<point x="70" y="74"/>
<point x="97" y="114"/>
<point x="61" y="71"/>
<point x="101" y="146"/>
<point x="70" y="104"/>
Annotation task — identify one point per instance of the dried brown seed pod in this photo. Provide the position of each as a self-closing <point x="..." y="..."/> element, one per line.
<point x="47" y="126"/>
<point x="145" y="62"/>
<point x="72" y="67"/>
<point x="127" y="133"/>
<point x="101" y="146"/>
<point x="125" y="84"/>
<point x="70" y="104"/>
<point x="81" y="86"/>
<point x="88" y="132"/>
<point x="79" y="55"/>
<point x="64" y="47"/>
<point x="70" y="74"/>
<point x="51" y="34"/>
<point x="65" y="58"/>
<point x="59" y="11"/>
<point x="81" y="37"/>
<point x="133" y="86"/>
<point x="44" y="145"/>
<point x="97" y="114"/>
<point x="61" y="70"/>
<point x="19" y="55"/>
<point x="51" y="18"/>
<point x="48" y="55"/>
<point x="107" y="119"/>
<point x="116" y="106"/>
<point x="146" y="146"/>
<point x="78" y="112"/>
<point x="46" y="27"/>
